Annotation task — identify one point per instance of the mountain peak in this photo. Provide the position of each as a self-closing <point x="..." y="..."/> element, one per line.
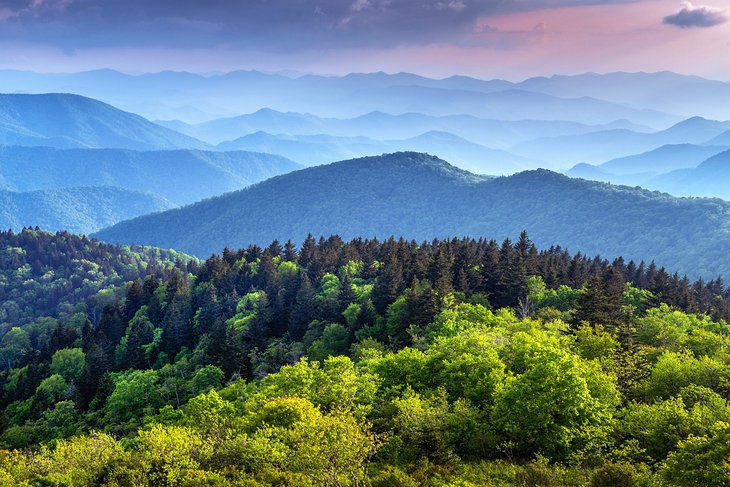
<point x="412" y="161"/>
<point x="68" y="120"/>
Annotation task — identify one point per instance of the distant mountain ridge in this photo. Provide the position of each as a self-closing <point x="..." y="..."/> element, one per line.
<point x="598" y="147"/>
<point x="312" y="150"/>
<point x="198" y="98"/>
<point x="422" y="197"/>
<point x="493" y="133"/>
<point x="69" y="121"/>
<point x="180" y="176"/>
<point x="681" y="170"/>
<point x="78" y="210"/>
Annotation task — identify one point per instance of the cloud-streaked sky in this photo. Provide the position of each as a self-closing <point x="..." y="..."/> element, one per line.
<point x="487" y="38"/>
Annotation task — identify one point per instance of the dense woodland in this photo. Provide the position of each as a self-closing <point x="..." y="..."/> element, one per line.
<point x="49" y="275"/>
<point x="387" y="363"/>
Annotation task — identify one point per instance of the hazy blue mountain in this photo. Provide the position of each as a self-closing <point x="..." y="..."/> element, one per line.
<point x="320" y="149"/>
<point x="63" y="120"/>
<point x="597" y="173"/>
<point x="380" y="125"/>
<point x="422" y="197"/>
<point x="264" y="120"/>
<point x="195" y="98"/>
<point x="678" y="170"/>
<point x="711" y="178"/>
<point x="663" y="159"/>
<point x="78" y="210"/>
<point x="665" y="91"/>
<point x="180" y="176"/>
<point x="509" y="105"/>
<point x="598" y="147"/>
<point x="722" y="139"/>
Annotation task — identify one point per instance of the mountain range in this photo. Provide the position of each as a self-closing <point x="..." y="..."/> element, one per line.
<point x="380" y="125"/>
<point x="422" y="197"/>
<point x="601" y="146"/>
<point x="682" y="170"/>
<point x="195" y="98"/>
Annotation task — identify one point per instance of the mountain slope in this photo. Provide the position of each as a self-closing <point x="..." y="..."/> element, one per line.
<point x="422" y="197"/>
<point x="64" y="120"/>
<point x="708" y="179"/>
<point x="722" y="139"/>
<point x="180" y="176"/>
<point x="663" y="159"/>
<point x="640" y="169"/>
<point x="78" y="210"/>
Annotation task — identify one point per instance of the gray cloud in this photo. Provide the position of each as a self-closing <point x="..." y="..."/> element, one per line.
<point x="691" y="15"/>
<point x="273" y="25"/>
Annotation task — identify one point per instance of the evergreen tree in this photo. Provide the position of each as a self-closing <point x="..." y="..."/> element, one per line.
<point x="601" y="302"/>
<point x="304" y="309"/>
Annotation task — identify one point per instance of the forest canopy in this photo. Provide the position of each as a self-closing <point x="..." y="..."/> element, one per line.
<point x="458" y="362"/>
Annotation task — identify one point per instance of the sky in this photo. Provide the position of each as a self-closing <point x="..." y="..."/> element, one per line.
<point x="511" y="39"/>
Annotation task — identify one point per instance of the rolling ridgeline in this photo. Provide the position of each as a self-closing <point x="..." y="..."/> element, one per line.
<point x="422" y="197"/>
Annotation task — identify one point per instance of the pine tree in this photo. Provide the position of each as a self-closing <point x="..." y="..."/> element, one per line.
<point x="489" y="271"/>
<point x="440" y="272"/>
<point x="304" y="309"/>
<point x="601" y="302"/>
<point x="389" y="283"/>
<point x="347" y="293"/>
<point x="133" y="301"/>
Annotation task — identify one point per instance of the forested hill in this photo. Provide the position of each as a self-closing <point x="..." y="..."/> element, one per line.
<point x="362" y="363"/>
<point x="79" y="210"/>
<point x="180" y="176"/>
<point x="43" y="274"/>
<point x="421" y="197"/>
<point x="66" y="120"/>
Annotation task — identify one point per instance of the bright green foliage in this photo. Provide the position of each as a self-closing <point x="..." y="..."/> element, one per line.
<point x="555" y="404"/>
<point x="674" y="371"/>
<point x="68" y="363"/>
<point x="701" y="461"/>
<point x="170" y="455"/>
<point x="466" y="366"/>
<point x="207" y="378"/>
<point x="658" y="428"/>
<point x="563" y="298"/>
<point x="52" y="389"/>
<point x="334" y="341"/>
<point x="595" y="343"/>
<point x="134" y="395"/>
<point x="14" y="343"/>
